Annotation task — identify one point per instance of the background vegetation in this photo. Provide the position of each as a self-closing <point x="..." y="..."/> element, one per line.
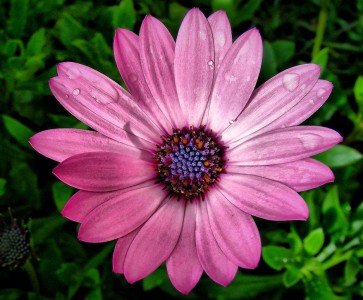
<point x="317" y="259"/>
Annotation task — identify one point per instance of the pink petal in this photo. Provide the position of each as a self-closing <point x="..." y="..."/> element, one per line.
<point x="301" y="175"/>
<point x="155" y="241"/>
<point x="263" y="198"/>
<point x="126" y="50"/>
<point x="103" y="105"/>
<point x="104" y="171"/>
<point x="215" y="263"/>
<point x="222" y="35"/>
<point x="121" y="248"/>
<point x="83" y="202"/>
<point x="60" y="144"/>
<point x="235" y="80"/>
<point x="235" y="231"/>
<point x="183" y="265"/>
<point x="194" y="65"/>
<point x="120" y="215"/>
<point x="157" y="57"/>
<point x="283" y="145"/>
<point x="273" y="99"/>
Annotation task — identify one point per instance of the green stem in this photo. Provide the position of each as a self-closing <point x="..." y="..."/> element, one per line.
<point x="32" y="276"/>
<point x="336" y="259"/>
<point x="323" y="17"/>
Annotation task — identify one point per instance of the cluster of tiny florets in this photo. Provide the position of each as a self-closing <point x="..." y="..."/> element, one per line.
<point x="189" y="162"/>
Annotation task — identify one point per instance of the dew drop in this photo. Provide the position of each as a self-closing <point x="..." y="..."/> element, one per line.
<point x="290" y="81"/>
<point x="133" y="77"/>
<point x="211" y="64"/>
<point x="67" y="96"/>
<point x="311" y="101"/>
<point x="76" y="92"/>
<point x="230" y="77"/>
<point x="220" y="38"/>
<point x="69" y="76"/>
<point x="232" y="121"/>
<point x="320" y="92"/>
<point x="248" y="78"/>
<point x="202" y="35"/>
<point x="310" y="141"/>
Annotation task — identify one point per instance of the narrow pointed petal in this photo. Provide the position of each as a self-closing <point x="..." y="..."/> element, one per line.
<point x="214" y="262"/>
<point x="235" y="231"/>
<point x="194" y="65"/>
<point x="83" y="202"/>
<point x="126" y="50"/>
<point x="155" y="241"/>
<point x="157" y="57"/>
<point x="222" y="35"/>
<point x="283" y="145"/>
<point x="273" y="99"/>
<point x="121" y="215"/>
<point x="263" y="198"/>
<point x="301" y="175"/>
<point x="60" y="144"/>
<point x="121" y="248"/>
<point x="235" y="80"/>
<point x="184" y="268"/>
<point x="103" y="105"/>
<point x="104" y="171"/>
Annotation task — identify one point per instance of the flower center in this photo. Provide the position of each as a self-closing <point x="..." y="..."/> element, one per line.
<point x="189" y="162"/>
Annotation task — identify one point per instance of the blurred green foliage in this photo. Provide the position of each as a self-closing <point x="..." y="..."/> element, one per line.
<point x="317" y="259"/>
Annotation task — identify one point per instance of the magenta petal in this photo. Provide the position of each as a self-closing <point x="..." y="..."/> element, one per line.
<point x="263" y="198"/>
<point x="222" y="35"/>
<point x="83" y="202"/>
<point x="121" y="214"/>
<point x="235" y="231"/>
<point x="194" y="65"/>
<point x="60" y="144"/>
<point x="157" y="57"/>
<point x="283" y="145"/>
<point x="215" y="263"/>
<point x="126" y="50"/>
<point x="104" y="171"/>
<point x="103" y="105"/>
<point x="155" y="241"/>
<point x="273" y="99"/>
<point x="121" y="248"/>
<point x="301" y="175"/>
<point x="184" y="268"/>
<point x="235" y="80"/>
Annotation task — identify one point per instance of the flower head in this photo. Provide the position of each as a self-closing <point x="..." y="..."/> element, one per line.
<point x="176" y="166"/>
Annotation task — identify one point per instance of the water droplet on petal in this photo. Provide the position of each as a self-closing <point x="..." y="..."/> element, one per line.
<point x="230" y="77"/>
<point x="290" y="81"/>
<point x="311" y="101"/>
<point x="211" y="64"/>
<point x="67" y="96"/>
<point x="310" y="141"/>
<point x="320" y="92"/>
<point x="248" y="78"/>
<point x="133" y="77"/>
<point x="232" y="121"/>
<point x="202" y="35"/>
<point x="220" y="38"/>
<point x="69" y="76"/>
<point x="76" y="92"/>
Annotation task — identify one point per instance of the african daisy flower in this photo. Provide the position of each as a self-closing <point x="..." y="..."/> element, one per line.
<point x="177" y="166"/>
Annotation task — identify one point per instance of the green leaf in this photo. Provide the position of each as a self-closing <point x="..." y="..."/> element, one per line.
<point x="334" y="218"/>
<point x="295" y="241"/>
<point x="155" y="279"/>
<point x="246" y="12"/>
<point x="291" y="276"/>
<point x="269" y="66"/>
<point x="317" y="287"/>
<point x="69" y="30"/>
<point x="61" y="193"/>
<point x="226" y="5"/>
<point x="36" y="43"/>
<point x="358" y="92"/>
<point x="2" y="186"/>
<point x="124" y="15"/>
<point x="18" y="17"/>
<point x="339" y="156"/>
<point x="242" y="286"/>
<point x="69" y="273"/>
<point x="43" y="228"/>
<point x="11" y="294"/>
<point x="351" y="269"/>
<point x="99" y="258"/>
<point x="276" y="257"/>
<point x="283" y="50"/>
<point x="314" y="241"/>
<point x="18" y="131"/>
<point x="321" y="58"/>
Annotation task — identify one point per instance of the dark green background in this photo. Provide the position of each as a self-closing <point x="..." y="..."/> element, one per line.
<point x="317" y="259"/>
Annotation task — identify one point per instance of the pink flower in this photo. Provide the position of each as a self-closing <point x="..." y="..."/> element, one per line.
<point x="176" y="166"/>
